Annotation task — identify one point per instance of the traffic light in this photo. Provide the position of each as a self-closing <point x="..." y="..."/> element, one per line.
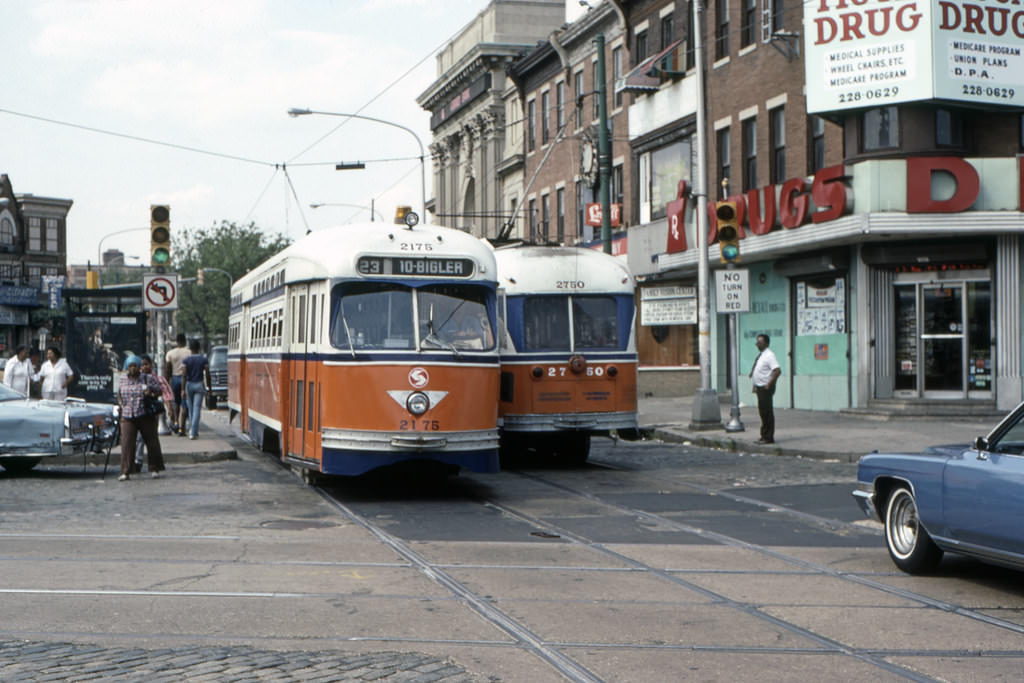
<point x="160" y="236"/>
<point x="728" y="232"/>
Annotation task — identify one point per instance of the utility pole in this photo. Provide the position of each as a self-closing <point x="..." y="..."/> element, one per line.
<point x="707" y="413"/>
<point x="604" y="147"/>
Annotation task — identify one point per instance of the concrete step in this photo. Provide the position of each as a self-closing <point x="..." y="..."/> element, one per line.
<point x="904" y="409"/>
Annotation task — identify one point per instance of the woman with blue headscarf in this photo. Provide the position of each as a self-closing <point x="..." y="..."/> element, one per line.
<point x="131" y="390"/>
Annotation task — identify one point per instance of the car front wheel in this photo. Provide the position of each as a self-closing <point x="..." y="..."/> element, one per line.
<point x="910" y="546"/>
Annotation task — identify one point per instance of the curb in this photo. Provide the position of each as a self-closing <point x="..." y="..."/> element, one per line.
<point x="735" y="446"/>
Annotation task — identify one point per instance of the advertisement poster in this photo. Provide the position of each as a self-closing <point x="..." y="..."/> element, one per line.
<point x="97" y="344"/>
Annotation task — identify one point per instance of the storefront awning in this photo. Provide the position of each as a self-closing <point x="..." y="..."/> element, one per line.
<point x="647" y="75"/>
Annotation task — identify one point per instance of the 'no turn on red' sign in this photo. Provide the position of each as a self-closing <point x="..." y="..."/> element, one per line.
<point x="160" y="292"/>
<point x="732" y="289"/>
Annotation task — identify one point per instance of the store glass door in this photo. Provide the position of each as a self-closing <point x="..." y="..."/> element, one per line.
<point x="943" y="340"/>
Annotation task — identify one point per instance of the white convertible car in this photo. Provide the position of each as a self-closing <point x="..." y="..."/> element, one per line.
<point x="31" y="430"/>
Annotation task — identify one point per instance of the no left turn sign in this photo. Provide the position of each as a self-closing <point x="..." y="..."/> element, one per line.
<point x="160" y="292"/>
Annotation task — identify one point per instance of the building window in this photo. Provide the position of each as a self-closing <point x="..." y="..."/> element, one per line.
<point x="880" y="128"/>
<point x="1022" y="131"/>
<point x="597" y="113"/>
<point x="560" y="105"/>
<point x="691" y="57"/>
<point x="667" y="166"/>
<point x="545" y="216"/>
<point x="35" y="275"/>
<point x="748" y="23"/>
<point x="532" y="220"/>
<point x="6" y="230"/>
<point x="724" y="156"/>
<point x="949" y="128"/>
<point x="560" y="215"/>
<point x="617" y="73"/>
<point x="749" y="142"/>
<point x="545" y="116"/>
<point x="666" y="31"/>
<point x="721" y="29"/>
<point x="531" y="125"/>
<point x="35" y="234"/>
<point x="816" y="144"/>
<point x="778" y="15"/>
<point x="51" y="235"/>
<point x="640" y="47"/>
<point x="777" y="145"/>
<point x="578" y="85"/>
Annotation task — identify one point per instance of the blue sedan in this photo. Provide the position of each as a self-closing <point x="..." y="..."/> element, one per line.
<point x="966" y="499"/>
<point x="31" y="430"/>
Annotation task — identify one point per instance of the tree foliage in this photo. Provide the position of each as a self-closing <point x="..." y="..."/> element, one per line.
<point x="236" y="249"/>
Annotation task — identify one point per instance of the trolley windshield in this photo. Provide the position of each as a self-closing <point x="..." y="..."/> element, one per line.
<point x="395" y="316"/>
<point x="593" y="321"/>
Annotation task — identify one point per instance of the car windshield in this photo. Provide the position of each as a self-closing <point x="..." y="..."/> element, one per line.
<point x="9" y="394"/>
<point x="219" y="356"/>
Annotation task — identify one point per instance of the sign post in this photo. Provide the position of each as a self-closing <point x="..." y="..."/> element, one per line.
<point x="733" y="285"/>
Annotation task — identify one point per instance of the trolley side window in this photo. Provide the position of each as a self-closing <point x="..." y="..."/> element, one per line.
<point x="371" y="315"/>
<point x="595" y="322"/>
<point x="454" y="316"/>
<point x="546" y="323"/>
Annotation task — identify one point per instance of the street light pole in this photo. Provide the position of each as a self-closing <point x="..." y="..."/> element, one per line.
<point x="231" y="280"/>
<point x="296" y="112"/>
<point x="99" y="247"/>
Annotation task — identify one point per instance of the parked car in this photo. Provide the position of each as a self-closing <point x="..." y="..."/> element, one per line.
<point x="966" y="499"/>
<point x="31" y="429"/>
<point x="218" y="376"/>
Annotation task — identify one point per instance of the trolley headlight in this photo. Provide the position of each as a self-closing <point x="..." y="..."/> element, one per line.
<point x="417" y="403"/>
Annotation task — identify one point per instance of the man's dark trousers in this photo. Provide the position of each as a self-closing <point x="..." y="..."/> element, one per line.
<point x="767" y="412"/>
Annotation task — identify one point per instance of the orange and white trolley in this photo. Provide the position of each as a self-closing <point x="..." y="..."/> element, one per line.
<point x="369" y="345"/>
<point x="568" y="351"/>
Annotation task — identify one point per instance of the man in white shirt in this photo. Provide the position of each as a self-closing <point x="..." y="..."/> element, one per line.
<point x="765" y="373"/>
<point x="56" y="374"/>
<point x="18" y="371"/>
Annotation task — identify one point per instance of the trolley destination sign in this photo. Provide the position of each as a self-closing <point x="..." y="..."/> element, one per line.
<point x="419" y="266"/>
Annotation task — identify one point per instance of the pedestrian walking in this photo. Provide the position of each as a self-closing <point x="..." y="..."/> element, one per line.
<point x="197" y="383"/>
<point x="131" y="393"/>
<point x="18" y="371"/>
<point x="55" y="374"/>
<point x="765" y="373"/>
<point x="167" y="396"/>
<point x="174" y="371"/>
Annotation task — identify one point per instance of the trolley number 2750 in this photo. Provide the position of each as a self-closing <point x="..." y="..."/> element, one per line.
<point x="563" y="371"/>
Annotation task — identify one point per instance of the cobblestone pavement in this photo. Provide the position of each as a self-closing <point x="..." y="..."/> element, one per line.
<point x="39" y="661"/>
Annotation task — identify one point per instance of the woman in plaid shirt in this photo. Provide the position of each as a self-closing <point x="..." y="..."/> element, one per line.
<point x="130" y="391"/>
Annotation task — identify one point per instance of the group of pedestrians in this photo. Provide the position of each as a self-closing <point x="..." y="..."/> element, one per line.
<point x="54" y="373"/>
<point x="182" y="388"/>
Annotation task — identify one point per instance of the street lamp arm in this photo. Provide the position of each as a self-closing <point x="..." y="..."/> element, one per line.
<point x="296" y="112"/>
<point x="99" y="247"/>
<point x="231" y="280"/>
<point x="317" y="205"/>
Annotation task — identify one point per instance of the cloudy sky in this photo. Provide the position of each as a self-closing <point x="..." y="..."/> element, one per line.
<point x="119" y="104"/>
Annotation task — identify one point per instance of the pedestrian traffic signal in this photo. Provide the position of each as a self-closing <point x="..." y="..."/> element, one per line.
<point x="160" y="236"/>
<point x="728" y="232"/>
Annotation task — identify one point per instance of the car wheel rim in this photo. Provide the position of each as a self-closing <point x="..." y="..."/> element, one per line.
<point x="903" y="524"/>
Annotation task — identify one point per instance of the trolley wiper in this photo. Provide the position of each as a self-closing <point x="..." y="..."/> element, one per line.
<point x="433" y="339"/>
<point x="348" y="333"/>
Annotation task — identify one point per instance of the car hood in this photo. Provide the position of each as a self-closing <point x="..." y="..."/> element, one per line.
<point x="948" y="450"/>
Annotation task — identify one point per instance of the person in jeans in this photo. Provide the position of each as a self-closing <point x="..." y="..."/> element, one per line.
<point x="197" y="383"/>
<point x="175" y="372"/>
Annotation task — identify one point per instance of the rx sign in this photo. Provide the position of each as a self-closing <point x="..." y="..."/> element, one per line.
<point x="733" y="289"/>
<point x="160" y="292"/>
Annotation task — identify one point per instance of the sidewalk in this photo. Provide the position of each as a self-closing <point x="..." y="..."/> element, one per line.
<point x="810" y="433"/>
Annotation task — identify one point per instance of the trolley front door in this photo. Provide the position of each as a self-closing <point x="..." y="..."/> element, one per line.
<point x="298" y="374"/>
